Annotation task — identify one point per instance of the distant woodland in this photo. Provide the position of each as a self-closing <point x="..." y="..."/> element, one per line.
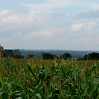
<point x="50" y="54"/>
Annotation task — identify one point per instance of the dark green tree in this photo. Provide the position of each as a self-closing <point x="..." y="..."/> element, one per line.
<point x="47" y="56"/>
<point x="9" y="53"/>
<point x="66" y="56"/>
<point x="1" y="51"/>
<point x="92" y="56"/>
<point x="17" y="54"/>
<point x="30" y="56"/>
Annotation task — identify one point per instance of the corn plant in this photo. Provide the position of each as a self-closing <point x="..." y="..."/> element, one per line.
<point x="48" y="79"/>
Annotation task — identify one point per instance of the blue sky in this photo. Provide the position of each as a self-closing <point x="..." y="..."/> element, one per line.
<point x="49" y="24"/>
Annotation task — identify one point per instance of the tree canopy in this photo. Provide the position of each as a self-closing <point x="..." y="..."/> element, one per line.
<point x="66" y="56"/>
<point x="1" y="51"/>
<point x="93" y="56"/>
<point x="47" y="56"/>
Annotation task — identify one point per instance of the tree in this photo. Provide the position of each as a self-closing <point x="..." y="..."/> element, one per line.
<point x="8" y="53"/>
<point x="1" y="51"/>
<point x="17" y="54"/>
<point x="30" y="56"/>
<point x="93" y="56"/>
<point x="66" y="56"/>
<point x="47" y="56"/>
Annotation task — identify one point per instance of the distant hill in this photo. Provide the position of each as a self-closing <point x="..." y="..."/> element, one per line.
<point x="38" y="53"/>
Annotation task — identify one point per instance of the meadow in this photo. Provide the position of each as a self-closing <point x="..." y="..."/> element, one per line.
<point x="49" y="79"/>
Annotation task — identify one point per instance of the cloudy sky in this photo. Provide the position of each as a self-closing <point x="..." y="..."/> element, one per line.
<point x="49" y="24"/>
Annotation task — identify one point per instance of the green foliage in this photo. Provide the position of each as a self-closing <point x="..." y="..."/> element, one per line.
<point x="30" y="56"/>
<point x="49" y="79"/>
<point x="17" y="54"/>
<point x="92" y="56"/>
<point x="1" y="51"/>
<point x="47" y="56"/>
<point x="66" y="56"/>
<point x="8" y="53"/>
<point x="13" y="53"/>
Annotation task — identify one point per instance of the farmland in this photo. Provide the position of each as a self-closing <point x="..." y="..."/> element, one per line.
<point x="49" y="79"/>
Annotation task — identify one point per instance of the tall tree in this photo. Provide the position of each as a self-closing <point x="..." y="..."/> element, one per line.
<point x="93" y="56"/>
<point x="66" y="56"/>
<point x="30" y="56"/>
<point x="47" y="56"/>
<point x="8" y="53"/>
<point x="1" y="51"/>
<point x="17" y="54"/>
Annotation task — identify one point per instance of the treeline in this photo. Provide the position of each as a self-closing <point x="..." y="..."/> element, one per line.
<point x="65" y="56"/>
<point x="53" y="56"/>
<point x="13" y="53"/>
<point x="18" y="55"/>
<point x="10" y="53"/>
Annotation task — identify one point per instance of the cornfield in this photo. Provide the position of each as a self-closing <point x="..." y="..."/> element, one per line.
<point x="48" y="79"/>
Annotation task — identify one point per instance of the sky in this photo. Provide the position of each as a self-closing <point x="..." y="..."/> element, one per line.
<point x="49" y="24"/>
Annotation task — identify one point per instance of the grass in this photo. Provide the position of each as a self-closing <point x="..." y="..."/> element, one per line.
<point x="49" y="79"/>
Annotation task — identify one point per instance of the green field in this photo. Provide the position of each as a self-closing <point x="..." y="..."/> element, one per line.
<point x="49" y="79"/>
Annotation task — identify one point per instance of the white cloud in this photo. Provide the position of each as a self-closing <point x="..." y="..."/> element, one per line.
<point x="43" y="26"/>
<point x="88" y="5"/>
<point x="4" y="13"/>
<point x="96" y="40"/>
<point x="85" y="26"/>
<point x="19" y="28"/>
<point x="76" y="27"/>
<point x="94" y="6"/>
<point x="46" y="33"/>
<point x="92" y="25"/>
<point x="19" y="22"/>
<point x="46" y="38"/>
<point x="86" y="40"/>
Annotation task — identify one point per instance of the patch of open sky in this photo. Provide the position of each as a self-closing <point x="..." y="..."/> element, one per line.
<point x="70" y="10"/>
<point x="13" y="6"/>
<point x="32" y="1"/>
<point x="79" y="19"/>
<point x="23" y="1"/>
<point x="83" y="20"/>
<point x="96" y="32"/>
<point x="16" y="5"/>
<point x="94" y="1"/>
